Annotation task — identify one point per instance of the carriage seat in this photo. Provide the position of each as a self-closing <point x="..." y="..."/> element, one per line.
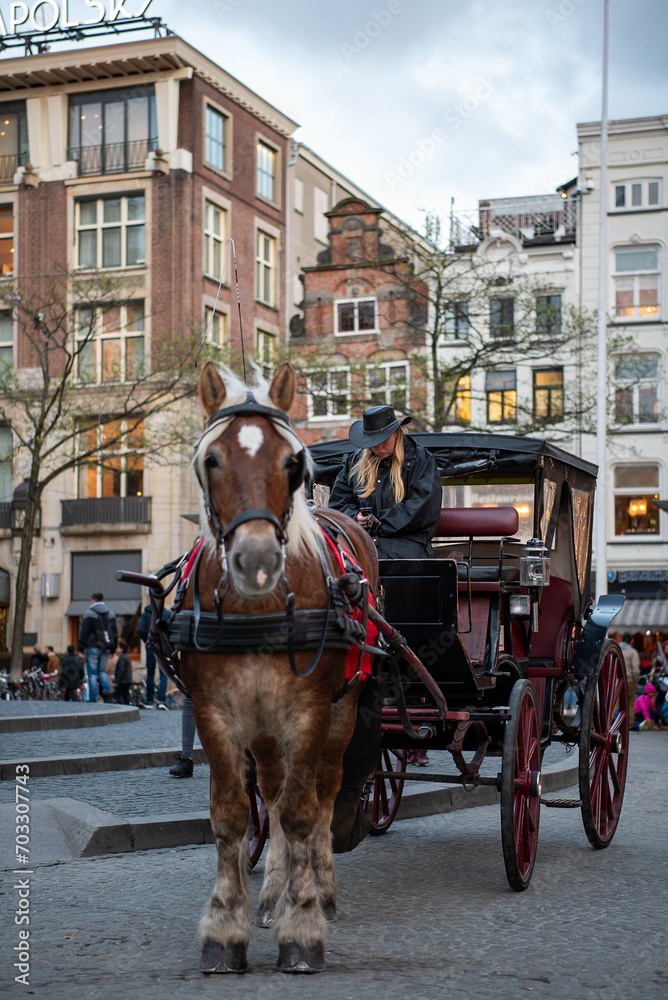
<point x="473" y="523"/>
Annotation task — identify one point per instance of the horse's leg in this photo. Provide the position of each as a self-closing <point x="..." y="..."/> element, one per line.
<point x="225" y="928"/>
<point x="299" y="926"/>
<point x="330" y="773"/>
<point x="267" y="756"/>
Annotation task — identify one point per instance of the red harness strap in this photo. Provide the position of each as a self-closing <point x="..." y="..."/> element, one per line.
<point x="352" y="660"/>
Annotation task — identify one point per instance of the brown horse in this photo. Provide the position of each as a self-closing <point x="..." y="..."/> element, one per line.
<point x="261" y="531"/>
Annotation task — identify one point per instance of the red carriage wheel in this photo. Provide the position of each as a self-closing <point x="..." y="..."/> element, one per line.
<point x="604" y="747"/>
<point x="520" y="786"/>
<point x="382" y="799"/>
<point x="258" y="827"/>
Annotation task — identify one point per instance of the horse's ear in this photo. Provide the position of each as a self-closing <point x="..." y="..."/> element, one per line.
<point x="283" y="387"/>
<point x="212" y="391"/>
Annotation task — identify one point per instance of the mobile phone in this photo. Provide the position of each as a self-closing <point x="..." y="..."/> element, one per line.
<point x="366" y="511"/>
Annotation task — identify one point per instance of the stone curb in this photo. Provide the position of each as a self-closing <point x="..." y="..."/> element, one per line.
<point x="83" y="720"/>
<point x="130" y="760"/>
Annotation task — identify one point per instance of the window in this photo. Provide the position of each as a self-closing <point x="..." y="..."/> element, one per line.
<point x="117" y="469"/>
<point x="636" y="493"/>
<point x="501" y="390"/>
<point x="548" y="316"/>
<point x="265" y="351"/>
<point x="501" y="318"/>
<point x="216" y="326"/>
<point x="215" y="144"/>
<point x="266" y="171"/>
<point x="5" y="464"/>
<point x="111" y="232"/>
<point x="320" y="220"/>
<point x="459" y="411"/>
<point x="110" y="343"/>
<point x="387" y="384"/>
<point x="548" y="394"/>
<point x="356" y="316"/>
<point x="6" y="338"/>
<point x="265" y="268"/>
<point x="112" y="131"/>
<point x="637" y="283"/>
<point x="329" y="394"/>
<point x="215" y="230"/>
<point x="6" y="240"/>
<point x="643" y="193"/>
<point x="299" y="195"/>
<point x="13" y="139"/>
<point x="457" y="324"/>
<point x="637" y="379"/>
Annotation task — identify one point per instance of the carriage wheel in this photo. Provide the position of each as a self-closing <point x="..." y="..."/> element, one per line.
<point x="520" y="786"/>
<point x="381" y="800"/>
<point x="604" y="747"/>
<point x="258" y="826"/>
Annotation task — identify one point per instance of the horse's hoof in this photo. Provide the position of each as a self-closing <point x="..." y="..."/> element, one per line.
<point x="293" y="957"/>
<point x="328" y="907"/>
<point x="265" y="917"/>
<point x="223" y="958"/>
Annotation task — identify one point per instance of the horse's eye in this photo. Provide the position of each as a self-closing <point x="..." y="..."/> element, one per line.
<point x="211" y="462"/>
<point x="291" y="462"/>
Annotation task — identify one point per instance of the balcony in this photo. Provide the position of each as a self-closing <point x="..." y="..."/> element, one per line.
<point x="535" y="221"/>
<point x="113" y="158"/>
<point x="106" y="514"/>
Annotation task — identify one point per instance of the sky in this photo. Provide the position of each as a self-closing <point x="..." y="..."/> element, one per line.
<point x="421" y="101"/>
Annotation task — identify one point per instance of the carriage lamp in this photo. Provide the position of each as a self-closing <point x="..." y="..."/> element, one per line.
<point x="535" y="565"/>
<point x="520" y="605"/>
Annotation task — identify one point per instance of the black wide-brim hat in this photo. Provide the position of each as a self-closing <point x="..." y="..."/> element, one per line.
<point x="376" y="426"/>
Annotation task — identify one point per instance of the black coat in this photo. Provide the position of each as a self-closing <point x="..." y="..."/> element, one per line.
<point x="406" y="528"/>
<point x="123" y="672"/>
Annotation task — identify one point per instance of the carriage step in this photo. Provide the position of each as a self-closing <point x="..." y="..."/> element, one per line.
<point x="562" y="803"/>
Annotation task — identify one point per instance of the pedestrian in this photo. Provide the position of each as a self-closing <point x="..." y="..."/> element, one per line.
<point x="53" y="662"/>
<point x="144" y="629"/>
<point x="38" y="659"/>
<point x="632" y="665"/>
<point x="71" y="675"/>
<point x="123" y="674"/>
<point x="97" y="638"/>
<point x="644" y="709"/>
<point x="184" y="763"/>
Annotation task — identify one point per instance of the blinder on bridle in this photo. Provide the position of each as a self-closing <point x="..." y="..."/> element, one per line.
<point x="296" y="470"/>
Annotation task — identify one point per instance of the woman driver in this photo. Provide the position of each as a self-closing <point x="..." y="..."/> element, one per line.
<point x="397" y="479"/>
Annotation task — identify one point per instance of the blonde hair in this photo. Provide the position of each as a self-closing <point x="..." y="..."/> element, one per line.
<point x="365" y="470"/>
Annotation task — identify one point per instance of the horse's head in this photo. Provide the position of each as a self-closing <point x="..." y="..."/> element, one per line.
<point x="249" y="465"/>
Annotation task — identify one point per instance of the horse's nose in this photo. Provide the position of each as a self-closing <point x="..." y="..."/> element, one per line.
<point x="256" y="564"/>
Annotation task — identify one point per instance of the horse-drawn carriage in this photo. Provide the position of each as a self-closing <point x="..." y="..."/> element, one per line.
<point x="299" y="680"/>
<point x="503" y="620"/>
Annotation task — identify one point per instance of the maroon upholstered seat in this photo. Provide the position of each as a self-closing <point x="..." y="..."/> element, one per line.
<point x="488" y="522"/>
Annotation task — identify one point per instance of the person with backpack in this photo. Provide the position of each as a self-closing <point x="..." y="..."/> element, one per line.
<point x="98" y="637"/>
<point x="71" y="675"/>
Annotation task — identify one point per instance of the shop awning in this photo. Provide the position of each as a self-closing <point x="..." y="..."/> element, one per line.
<point x="77" y="608"/>
<point x="652" y="614"/>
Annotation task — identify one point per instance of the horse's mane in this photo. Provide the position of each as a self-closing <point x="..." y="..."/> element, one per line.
<point x="303" y="530"/>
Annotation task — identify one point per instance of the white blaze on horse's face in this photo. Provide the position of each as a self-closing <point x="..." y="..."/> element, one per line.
<point x="251" y="438"/>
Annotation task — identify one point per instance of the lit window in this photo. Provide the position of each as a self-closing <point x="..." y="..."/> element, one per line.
<point x="458" y="403"/>
<point x="6" y="338"/>
<point x="7" y="262"/>
<point x="266" y="171"/>
<point x="114" y="466"/>
<point x="637" y="384"/>
<point x="329" y="394"/>
<point x="215" y="226"/>
<point x="548" y="316"/>
<point x="388" y="385"/>
<point x="215" y="326"/>
<point x="457" y="323"/>
<point x="112" y="131"/>
<point x="265" y="268"/>
<point x="501" y="390"/>
<point x="637" y="283"/>
<point x="502" y="318"/>
<point x="641" y="193"/>
<point x="215" y="138"/>
<point x="636" y="491"/>
<point x="110" y="343"/>
<point x="111" y="232"/>
<point x="548" y="394"/>
<point x="356" y="316"/>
